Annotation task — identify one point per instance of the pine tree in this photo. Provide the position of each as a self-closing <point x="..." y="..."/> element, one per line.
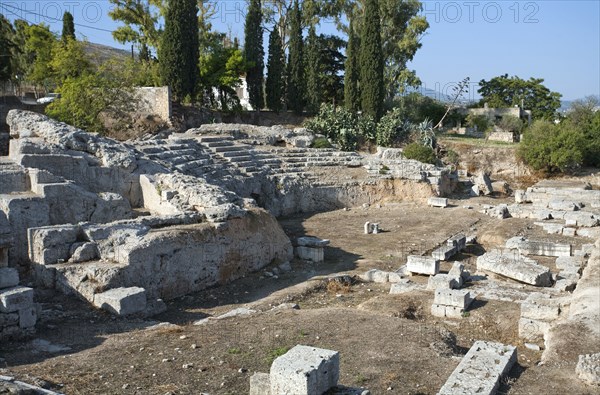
<point x="371" y="62"/>
<point x="296" y="81"/>
<point x="275" y="72"/>
<point x="254" y="54"/>
<point x="178" y="53"/>
<point x="68" y="30"/>
<point x="351" y="75"/>
<point x="313" y="71"/>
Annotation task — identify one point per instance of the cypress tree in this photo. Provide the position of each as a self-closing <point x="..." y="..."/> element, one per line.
<point x="313" y="71"/>
<point x="178" y="53"/>
<point x="371" y="62"/>
<point x="68" y="30"/>
<point x="296" y="82"/>
<point x="275" y="72"/>
<point x="351" y="74"/>
<point x="254" y="54"/>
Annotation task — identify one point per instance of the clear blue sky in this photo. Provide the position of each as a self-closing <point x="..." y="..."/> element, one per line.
<point x="556" y="40"/>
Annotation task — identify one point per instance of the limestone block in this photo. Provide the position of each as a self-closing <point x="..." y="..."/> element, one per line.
<point x="458" y="241"/>
<point x="582" y="218"/>
<point x="28" y="317"/>
<point x="51" y="244"/>
<point x="15" y="299"/>
<point x="483" y="182"/>
<point x="305" y="370"/>
<point x="530" y="247"/>
<point x="260" y="384"/>
<point x="566" y="284"/>
<point x="588" y="368"/>
<point x="511" y="264"/>
<point x="394" y="277"/>
<point x="442" y="281"/>
<point x="111" y="207"/>
<point x="568" y="262"/>
<point x="84" y="252"/>
<point x="458" y="272"/>
<point x="563" y="205"/>
<point x="592" y="233"/>
<point x="569" y="232"/>
<point x="521" y="196"/>
<point x="540" y="309"/>
<point x="401" y="287"/>
<point x="311" y="254"/>
<point x="481" y="369"/>
<point x="423" y="265"/>
<point x="375" y="276"/>
<point x="533" y="329"/>
<point x="437" y="202"/>
<point x="312" y="242"/>
<point x="122" y="301"/>
<point x="438" y="310"/>
<point x="444" y="253"/>
<point x="9" y="277"/>
<point x="456" y="298"/>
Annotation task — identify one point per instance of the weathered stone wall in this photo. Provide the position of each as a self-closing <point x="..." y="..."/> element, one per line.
<point x="154" y="101"/>
<point x="506" y="137"/>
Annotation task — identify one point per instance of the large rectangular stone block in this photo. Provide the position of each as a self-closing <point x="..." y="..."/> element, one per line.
<point x="15" y="299"/>
<point x="305" y="370"/>
<point x="457" y="298"/>
<point x="28" y="317"/>
<point x="437" y="202"/>
<point x="423" y="265"/>
<point x="481" y="369"/>
<point x="260" y="384"/>
<point x="533" y="329"/>
<point x="311" y="254"/>
<point x="511" y="264"/>
<point x="540" y="309"/>
<point x="458" y="241"/>
<point x="443" y="281"/>
<point x="122" y="301"/>
<point x="9" y="277"/>
<point x="444" y="253"/>
<point x="544" y="248"/>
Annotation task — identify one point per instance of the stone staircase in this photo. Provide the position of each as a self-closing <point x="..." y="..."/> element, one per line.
<point x="244" y="157"/>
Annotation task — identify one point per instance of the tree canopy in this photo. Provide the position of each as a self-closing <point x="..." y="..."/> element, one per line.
<point x="505" y="91"/>
<point x="371" y="62"/>
<point x="254" y="53"/>
<point x="68" y="30"/>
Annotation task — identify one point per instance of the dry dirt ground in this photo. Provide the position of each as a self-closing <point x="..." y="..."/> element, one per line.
<point x="389" y="344"/>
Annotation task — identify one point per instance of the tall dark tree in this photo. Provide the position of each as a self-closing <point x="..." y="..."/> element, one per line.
<point x="371" y="62"/>
<point x="352" y="74"/>
<point x="7" y="48"/>
<point x="332" y="63"/>
<point x="68" y="30"/>
<point x="275" y="72"/>
<point x="296" y="79"/>
<point x="254" y="54"/>
<point x="314" y="71"/>
<point x="178" y="54"/>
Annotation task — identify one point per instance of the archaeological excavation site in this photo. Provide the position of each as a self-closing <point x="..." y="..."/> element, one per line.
<point x="236" y="259"/>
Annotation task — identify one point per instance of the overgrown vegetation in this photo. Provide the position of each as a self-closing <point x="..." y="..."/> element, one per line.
<point x="420" y="152"/>
<point x="566" y="146"/>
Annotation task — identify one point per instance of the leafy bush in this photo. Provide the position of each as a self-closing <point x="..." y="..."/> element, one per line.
<point x="550" y="147"/>
<point x="510" y="123"/>
<point x="481" y="122"/>
<point x="321" y="142"/>
<point x="392" y="129"/>
<point x="416" y="107"/>
<point x="420" y="152"/>
<point x="452" y="157"/>
<point x="342" y="126"/>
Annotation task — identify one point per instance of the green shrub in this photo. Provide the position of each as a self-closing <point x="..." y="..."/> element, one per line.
<point x="321" y="142"/>
<point x="340" y="125"/>
<point x="452" y="157"/>
<point x="481" y="122"/>
<point x="510" y="123"/>
<point x="392" y="129"/>
<point x="420" y="152"/>
<point x="553" y="148"/>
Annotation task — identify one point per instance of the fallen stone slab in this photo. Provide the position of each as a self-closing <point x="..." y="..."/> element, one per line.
<point x="483" y="183"/>
<point x="15" y="299"/>
<point x="312" y="242"/>
<point x="513" y="265"/>
<point x="481" y="369"/>
<point x="444" y="253"/>
<point x="458" y="241"/>
<point x="12" y="386"/>
<point x="305" y="370"/>
<point x="403" y="286"/>
<point x="443" y="311"/>
<point x="456" y="298"/>
<point x="533" y="330"/>
<point x="437" y="202"/>
<point x="540" y="308"/>
<point x="542" y="248"/>
<point x="443" y="281"/>
<point x="260" y="384"/>
<point x="375" y="276"/>
<point x="122" y="301"/>
<point x="311" y="254"/>
<point x="569" y="262"/>
<point x="423" y="265"/>
<point x="588" y="368"/>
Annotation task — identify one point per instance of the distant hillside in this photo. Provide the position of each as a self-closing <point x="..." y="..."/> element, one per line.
<point x="566" y="104"/>
<point x="101" y="53"/>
